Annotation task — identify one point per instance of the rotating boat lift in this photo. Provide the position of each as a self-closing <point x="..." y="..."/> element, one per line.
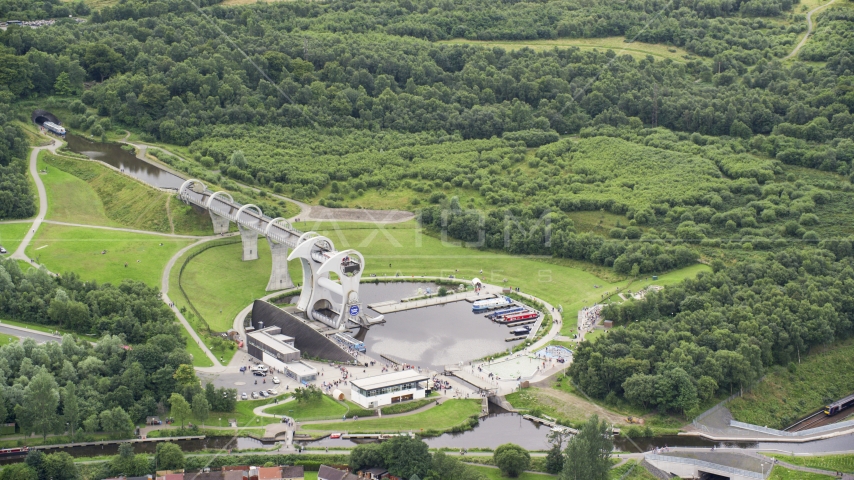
<point x="331" y="302"/>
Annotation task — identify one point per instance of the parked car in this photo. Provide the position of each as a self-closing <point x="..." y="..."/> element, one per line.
<point x="244" y="396"/>
<point x="243" y="369"/>
<point x="259" y="373"/>
<point x="271" y="392"/>
<point x="276" y="380"/>
<point x="263" y="394"/>
<point x="254" y="394"/>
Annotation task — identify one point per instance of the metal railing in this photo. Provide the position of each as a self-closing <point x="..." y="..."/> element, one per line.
<point x="781" y="433"/>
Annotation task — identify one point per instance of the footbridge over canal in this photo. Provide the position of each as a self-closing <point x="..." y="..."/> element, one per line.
<point x="330" y="292"/>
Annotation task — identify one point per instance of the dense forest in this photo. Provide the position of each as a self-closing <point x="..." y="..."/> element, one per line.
<point x="719" y="332"/>
<point x="16" y="200"/>
<point x="137" y="363"/>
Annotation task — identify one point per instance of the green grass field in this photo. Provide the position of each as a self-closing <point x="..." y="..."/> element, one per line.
<point x="11" y="235"/>
<point x="443" y="417"/>
<point x="783" y="397"/>
<point x="780" y="473"/>
<point x="617" y="44"/>
<point x="87" y="192"/>
<point x="220" y="284"/>
<point x="495" y="474"/>
<point x="70" y="199"/>
<point x="841" y="463"/>
<point x="326" y="409"/>
<point x="74" y="249"/>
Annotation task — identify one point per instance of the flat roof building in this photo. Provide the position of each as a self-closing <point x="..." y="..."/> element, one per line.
<point x="271" y="342"/>
<point x="388" y="388"/>
<point x="300" y="372"/>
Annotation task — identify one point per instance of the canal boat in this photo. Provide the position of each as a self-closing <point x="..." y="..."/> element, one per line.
<point x="508" y="311"/>
<point x="519" y="317"/>
<point x="490" y="304"/>
<point x="13" y="452"/>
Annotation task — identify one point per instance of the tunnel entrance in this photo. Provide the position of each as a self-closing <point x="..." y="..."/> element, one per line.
<point x="41" y="116"/>
<point x="711" y="476"/>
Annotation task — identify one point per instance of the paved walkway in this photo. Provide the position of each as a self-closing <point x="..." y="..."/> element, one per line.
<point x="34" y="171"/>
<point x="810" y="27"/>
<point x="129" y="230"/>
<point x="164" y="289"/>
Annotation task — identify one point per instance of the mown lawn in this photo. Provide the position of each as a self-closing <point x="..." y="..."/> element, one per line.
<point x="11" y="235"/>
<point x="74" y="249"/>
<point x="783" y="396"/>
<point x="442" y="417"/>
<point x="495" y="474"/>
<point x="220" y="284"/>
<point x="841" y="463"/>
<point x="325" y="409"/>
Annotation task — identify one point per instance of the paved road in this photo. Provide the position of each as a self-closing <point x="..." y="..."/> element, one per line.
<point x="810" y="27"/>
<point x="20" y="332"/>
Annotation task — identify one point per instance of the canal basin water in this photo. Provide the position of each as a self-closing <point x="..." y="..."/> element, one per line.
<point x="432" y="336"/>
<point x="113" y="154"/>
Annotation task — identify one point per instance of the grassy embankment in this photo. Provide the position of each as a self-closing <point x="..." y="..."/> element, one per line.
<point x="840" y="463"/>
<point x="619" y="45"/>
<point x="87" y="192"/>
<point x="444" y="417"/>
<point x="325" y="409"/>
<point x="637" y="472"/>
<point x="785" y="395"/>
<point x="11" y="235"/>
<point x="781" y="473"/>
<point x="569" y="406"/>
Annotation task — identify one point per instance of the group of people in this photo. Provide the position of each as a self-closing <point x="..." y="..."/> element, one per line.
<point x="590" y="316"/>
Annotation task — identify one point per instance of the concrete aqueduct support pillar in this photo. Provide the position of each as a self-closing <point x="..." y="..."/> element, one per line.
<point x="248" y="235"/>
<point x="250" y="243"/>
<point x="220" y="223"/>
<point x="280" y="278"/>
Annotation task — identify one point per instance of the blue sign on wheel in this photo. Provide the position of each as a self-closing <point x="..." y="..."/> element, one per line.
<point x="354" y="310"/>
